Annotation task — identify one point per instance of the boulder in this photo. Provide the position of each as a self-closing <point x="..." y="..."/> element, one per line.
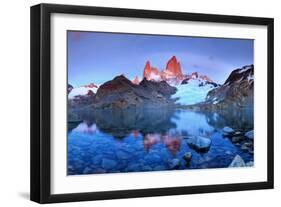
<point x="236" y="139"/>
<point x="174" y="163"/>
<point x="250" y="164"/>
<point x="237" y="134"/>
<point x="199" y="143"/>
<point x="226" y="131"/>
<point x="237" y="162"/>
<point x="244" y="148"/>
<point x="250" y="134"/>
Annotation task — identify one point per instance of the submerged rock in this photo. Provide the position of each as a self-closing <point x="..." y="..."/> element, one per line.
<point x="237" y="134"/>
<point x="174" y="163"/>
<point x="227" y="131"/>
<point x="237" y="162"/>
<point x="123" y="155"/>
<point x="237" y="139"/>
<point x="250" y="134"/>
<point x="250" y="164"/>
<point x="244" y="148"/>
<point x="159" y="168"/>
<point x="146" y="168"/>
<point x="228" y="152"/>
<point x="199" y="143"/>
<point x="87" y="170"/>
<point x="134" y="167"/>
<point x="108" y="164"/>
<point x="248" y="144"/>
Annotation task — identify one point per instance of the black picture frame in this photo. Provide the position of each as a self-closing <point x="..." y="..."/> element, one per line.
<point x="41" y="98"/>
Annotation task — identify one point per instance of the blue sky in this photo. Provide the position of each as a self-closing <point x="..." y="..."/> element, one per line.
<point x="98" y="57"/>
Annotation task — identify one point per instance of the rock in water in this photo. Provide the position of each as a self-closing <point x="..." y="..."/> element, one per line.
<point x="227" y="131"/>
<point x="87" y="170"/>
<point x="108" y="164"/>
<point x="174" y="163"/>
<point x="199" y="143"/>
<point x="236" y="139"/>
<point x="237" y="134"/>
<point x="123" y="155"/>
<point x="187" y="156"/>
<point x="237" y="162"/>
<point x="250" y="164"/>
<point x="250" y="134"/>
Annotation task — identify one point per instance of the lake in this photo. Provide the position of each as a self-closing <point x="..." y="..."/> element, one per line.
<point x="137" y="140"/>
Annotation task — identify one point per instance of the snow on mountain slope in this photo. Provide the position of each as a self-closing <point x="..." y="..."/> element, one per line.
<point x="193" y="92"/>
<point x="83" y="90"/>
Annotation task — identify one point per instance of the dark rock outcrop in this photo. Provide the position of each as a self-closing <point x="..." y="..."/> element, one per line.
<point x="69" y="88"/>
<point x="237" y="91"/>
<point x="122" y="93"/>
<point x="82" y="100"/>
<point x="160" y="87"/>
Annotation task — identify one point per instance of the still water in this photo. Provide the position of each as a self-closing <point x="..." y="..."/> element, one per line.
<point x="136" y="140"/>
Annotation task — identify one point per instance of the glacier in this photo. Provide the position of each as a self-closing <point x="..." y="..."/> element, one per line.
<point x="80" y="91"/>
<point x="195" y="91"/>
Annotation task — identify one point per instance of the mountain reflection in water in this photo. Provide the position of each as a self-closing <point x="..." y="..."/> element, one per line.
<point x="109" y="141"/>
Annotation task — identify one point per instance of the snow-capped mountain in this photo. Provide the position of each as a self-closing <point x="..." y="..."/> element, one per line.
<point x="136" y="80"/>
<point x="237" y="90"/>
<point x="191" y="88"/>
<point x="194" y="76"/>
<point x="151" y="73"/>
<point x="171" y="74"/>
<point x="82" y="90"/>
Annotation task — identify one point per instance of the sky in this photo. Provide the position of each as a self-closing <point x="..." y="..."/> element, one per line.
<point x="97" y="57"/>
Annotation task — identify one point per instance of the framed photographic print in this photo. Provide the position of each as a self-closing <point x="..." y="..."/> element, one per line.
<point x="132" y="103"/>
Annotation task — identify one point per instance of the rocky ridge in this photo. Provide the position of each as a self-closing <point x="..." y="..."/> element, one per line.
<point x="237" y="92"/>
<point x="122" y="93"/>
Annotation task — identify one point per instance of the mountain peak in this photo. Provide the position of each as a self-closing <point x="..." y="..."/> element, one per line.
<point x="174" y="67"/>
<point x="136" y="80"/>
<point x="121" y="77"/>
<point x="90" y="85"/>
<point x="147" y="64"/>
<point x="151" y="73"/>
<point x="174" y="58"/>
<point x="244" y="73"/>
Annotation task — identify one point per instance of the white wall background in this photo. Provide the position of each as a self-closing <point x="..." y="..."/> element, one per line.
<point x="14" y="101"/>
